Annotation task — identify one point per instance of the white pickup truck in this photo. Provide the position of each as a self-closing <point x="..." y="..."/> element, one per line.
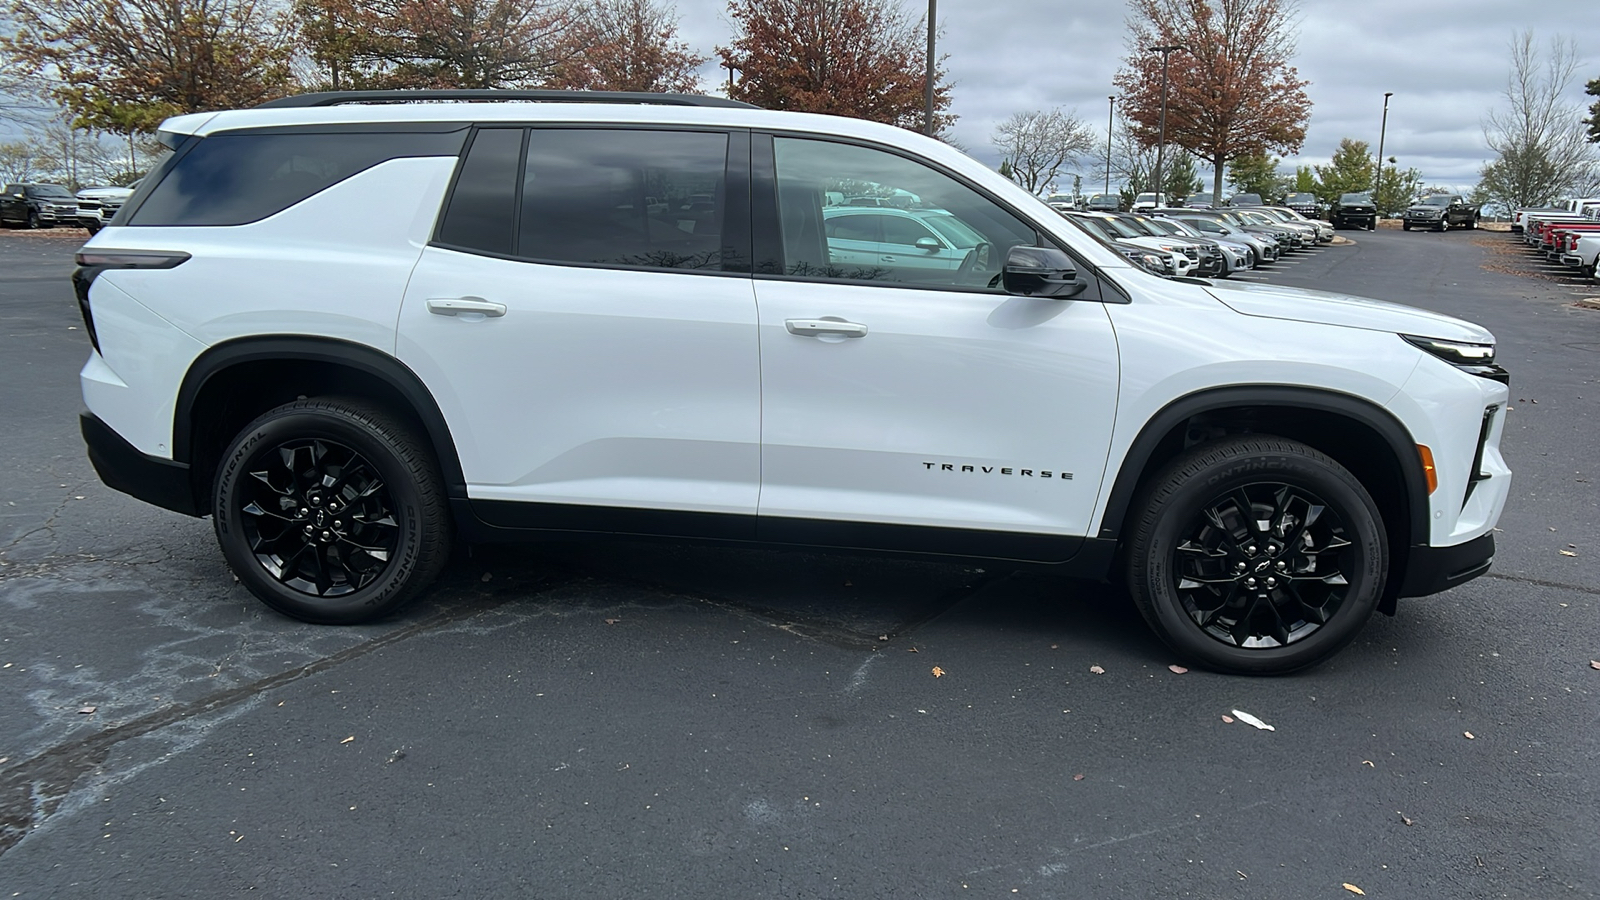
<point x="1583" y="256"/>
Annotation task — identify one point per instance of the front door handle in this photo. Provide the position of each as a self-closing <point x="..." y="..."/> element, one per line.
<point x="824" y="325"/>
<point x="455" y="306"/>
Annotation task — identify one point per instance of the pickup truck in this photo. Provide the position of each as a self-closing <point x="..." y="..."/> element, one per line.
<point x="1354" y="210"/>
<point x="1439" y="212"/>
<point x="1582" y="256"/>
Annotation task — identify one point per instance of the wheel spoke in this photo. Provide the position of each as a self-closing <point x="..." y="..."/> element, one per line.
<point x="289" y="507"/>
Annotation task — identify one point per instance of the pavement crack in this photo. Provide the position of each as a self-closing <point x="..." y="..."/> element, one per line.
<point x="1543" y="583"/>
<point x="32" y="789"/>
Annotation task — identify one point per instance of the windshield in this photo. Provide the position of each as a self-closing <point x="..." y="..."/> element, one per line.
<point x="50" y="190"/>
<point x="1355" y="198"/>
<point x="1301" y="198"/>
<point x="953" y="230"/>
<point x="1145" y="198"/>
<point x="1436" y="200"/>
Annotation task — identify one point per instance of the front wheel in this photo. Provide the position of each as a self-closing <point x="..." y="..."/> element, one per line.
<point x="331" y="511"/>
<point x="1256" y="555"/>
<point x="33" y="219"/>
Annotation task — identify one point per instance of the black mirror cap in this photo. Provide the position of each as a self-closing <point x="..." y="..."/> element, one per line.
<point x="1041" y="272"/>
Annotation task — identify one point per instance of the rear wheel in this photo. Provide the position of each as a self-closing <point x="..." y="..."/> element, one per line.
<point x="1256" y="555"/>
<point x="331" y="511"/>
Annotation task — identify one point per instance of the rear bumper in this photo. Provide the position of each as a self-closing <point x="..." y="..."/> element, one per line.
<point x="161" y="482"/>
<point x="1430" y="570"/>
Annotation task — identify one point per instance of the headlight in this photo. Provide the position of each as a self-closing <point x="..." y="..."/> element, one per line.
<point x="1474" y="359"/>
<point x="1455" y="353"/>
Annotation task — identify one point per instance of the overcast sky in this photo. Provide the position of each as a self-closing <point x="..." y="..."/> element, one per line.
<point x="1445" y="60"/>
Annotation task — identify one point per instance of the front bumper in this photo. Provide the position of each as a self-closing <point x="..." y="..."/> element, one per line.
<point x="1430" y="570"/>
<point x="161" y="482"/>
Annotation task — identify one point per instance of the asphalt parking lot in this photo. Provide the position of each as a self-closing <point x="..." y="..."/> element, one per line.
<point x="633" y="720"/>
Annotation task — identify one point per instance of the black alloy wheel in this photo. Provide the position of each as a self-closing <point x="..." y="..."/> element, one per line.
<point x="331" y="511"/>
<point x="1257" y="555"/>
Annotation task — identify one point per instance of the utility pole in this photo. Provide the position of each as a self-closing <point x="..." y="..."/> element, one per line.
<point x="1161" y="147"/>
<point x="1111" y="113"/>
<point x="1377" y="181"/>
<point x="927" y="89"/>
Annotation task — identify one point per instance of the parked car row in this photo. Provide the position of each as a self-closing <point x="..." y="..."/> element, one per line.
<point x="1207" y="243"/>
<point x="39" y="205"/>
<point x="1568" y="234"/>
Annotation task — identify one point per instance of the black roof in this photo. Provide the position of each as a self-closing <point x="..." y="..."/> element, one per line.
<point x="340" y="98"/>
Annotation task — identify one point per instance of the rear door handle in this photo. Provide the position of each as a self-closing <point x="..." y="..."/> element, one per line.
<point x="825" y="325"/>
<point x="455" y="306"/>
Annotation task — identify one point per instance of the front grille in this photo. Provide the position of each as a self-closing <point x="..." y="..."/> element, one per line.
<point x="89" y="204"/>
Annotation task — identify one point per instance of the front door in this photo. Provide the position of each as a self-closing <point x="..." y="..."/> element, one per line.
<point x="902" y="395"/>
<point x="581" y="323"/>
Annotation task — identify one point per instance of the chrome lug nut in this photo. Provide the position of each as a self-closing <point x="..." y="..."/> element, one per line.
<point x="1251" y="549"/>
<point x="1250" y="582"/>
<point x="1272" y="582"/>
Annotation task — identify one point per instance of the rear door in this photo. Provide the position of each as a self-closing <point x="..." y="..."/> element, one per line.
<point x="585" y="317"/>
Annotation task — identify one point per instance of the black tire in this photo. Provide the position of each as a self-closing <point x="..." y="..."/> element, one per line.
<point x="93" y="228"/>
<point x="33" y="219"/>
<point x="1185" y="579"/>
<point x="1444" y="224"/>
<point x="346" y="552"/>
<point x="1405" y="226"/>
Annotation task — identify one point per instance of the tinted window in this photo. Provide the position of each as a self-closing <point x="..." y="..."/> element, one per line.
<point x="807" y="169"/>
<point x="854" y="228"/>
<point x="903" y="231"/>
<point x="634" y="198"/>
<point x="483" y="206"/>
<point x="232" y="179"/>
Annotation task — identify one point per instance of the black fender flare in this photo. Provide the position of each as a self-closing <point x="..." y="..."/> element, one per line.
<point x="359" y="357"/>
<point x="1184" y="408"/>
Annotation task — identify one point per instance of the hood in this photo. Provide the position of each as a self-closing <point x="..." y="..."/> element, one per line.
<point x="105" y="193"/>
<point x="1299" y="305"/>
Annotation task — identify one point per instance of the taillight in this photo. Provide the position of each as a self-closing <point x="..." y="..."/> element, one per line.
<point x="92" y="262"/>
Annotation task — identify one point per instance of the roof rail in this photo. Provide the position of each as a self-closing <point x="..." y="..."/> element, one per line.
<point x="339" y="98"/>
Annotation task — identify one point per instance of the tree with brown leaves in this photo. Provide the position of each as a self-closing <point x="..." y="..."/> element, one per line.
<point x="124" y="65"/>
<point x="860" y="58"/>
<point x="379" y="44"/>
<point x="1232" y="91"/>
<point x="628" y="45"/>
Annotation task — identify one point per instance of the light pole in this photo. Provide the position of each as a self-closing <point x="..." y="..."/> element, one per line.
<point x="1111" y="113"/>
<point x="927" y="89"/>
<point x="1161" y="146"/>
<point x="1382" y="129"/>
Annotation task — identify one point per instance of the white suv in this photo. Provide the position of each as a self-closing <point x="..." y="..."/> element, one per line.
<point x="354" y="331"/>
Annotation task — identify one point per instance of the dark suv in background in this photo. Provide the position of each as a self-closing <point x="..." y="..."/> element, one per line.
<point x="1354" y="211"/>
<point x="37" y="205"/>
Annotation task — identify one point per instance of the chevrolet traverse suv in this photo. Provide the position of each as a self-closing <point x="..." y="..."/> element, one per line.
<point x="631" y="314"/>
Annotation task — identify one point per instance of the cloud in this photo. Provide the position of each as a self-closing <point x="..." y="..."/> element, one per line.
<point x="1445" y="60"/>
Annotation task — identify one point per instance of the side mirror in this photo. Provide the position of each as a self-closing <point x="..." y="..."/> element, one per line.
<point x="1040" y="272"/>
<point x="929" y="244"/>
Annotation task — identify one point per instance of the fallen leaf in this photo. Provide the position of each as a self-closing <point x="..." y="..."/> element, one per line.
<point x="1240" y="874"/>
<point x="86" y="710"/>
<point x="1097" y="670"/>
<point x="1077" y="778"/>
<point x="398" y="754"/>
<point x="1568" y="553"/>
<point x="1353" y="889"/>
<point x="1594" y="663"/>
<point x="1178" y="670"/>
<point x="348" y="739"/>
<point x="4" y="760"/>
<point x="883" y="637"/>
<point x="912" y="650"/>
<point x="1469" y="735"/>
<point x="612" y="621"/>
<point x="1368" y="762"/>
<point x="1228" y="719"/>
<point x="1403" y="818"/>
<point x="938" y="672"/>
<point x="1248" y="719"/>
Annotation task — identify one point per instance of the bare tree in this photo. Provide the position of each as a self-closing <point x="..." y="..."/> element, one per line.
<point x="1039" y="144"/>
<point x="1540" y="141"/>
<point x="628" y="45"/>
